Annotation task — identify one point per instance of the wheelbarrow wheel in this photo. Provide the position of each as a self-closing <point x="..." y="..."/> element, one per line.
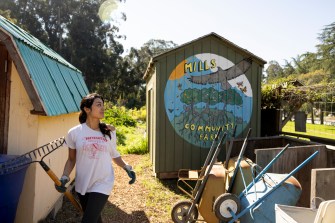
<point x="223" y="202"/>
<point x="180" y="210"/>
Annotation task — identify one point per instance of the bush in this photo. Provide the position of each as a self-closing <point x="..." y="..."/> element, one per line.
<point x="118" y="116"/>
<point x="130" y="126"/>
<point x="139" y="147"/>
<point x="139" y="115"/>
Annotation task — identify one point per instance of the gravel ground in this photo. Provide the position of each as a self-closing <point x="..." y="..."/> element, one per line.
<point x="130" y="203"/>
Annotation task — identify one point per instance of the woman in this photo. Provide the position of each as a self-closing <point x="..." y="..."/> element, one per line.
<point x="92" y="147"/>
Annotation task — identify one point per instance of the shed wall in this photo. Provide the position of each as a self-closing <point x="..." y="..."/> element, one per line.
<point x="173" y="149"/>
<point x="50" y="128"/>
<point x="22" y="129"/>
<point x="151" y="117"/>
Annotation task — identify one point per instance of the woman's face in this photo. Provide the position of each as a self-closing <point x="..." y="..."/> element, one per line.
<point x="97" y="110"/>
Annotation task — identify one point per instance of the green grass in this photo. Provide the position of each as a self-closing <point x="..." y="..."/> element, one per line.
<point x="134" y="139"/>
<point x="161" y="195"/>
<point x="323" y="131"/>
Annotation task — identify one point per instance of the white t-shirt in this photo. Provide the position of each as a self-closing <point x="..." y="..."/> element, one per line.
<point x="94" y="169"/>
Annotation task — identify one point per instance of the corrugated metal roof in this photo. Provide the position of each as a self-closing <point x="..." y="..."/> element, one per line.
<point x="59" y="84"/>
<point x="154" y="58"/>
<point x="260" y="60"/>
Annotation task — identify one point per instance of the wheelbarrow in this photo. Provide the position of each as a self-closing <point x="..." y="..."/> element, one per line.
<point x="187" y="211"/>
<point x="257" y="196"/>
<point x="256" y="203"/>
<point x="210" y="184"/>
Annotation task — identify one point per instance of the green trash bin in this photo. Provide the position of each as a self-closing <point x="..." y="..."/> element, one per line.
<point x="11" y="183"/>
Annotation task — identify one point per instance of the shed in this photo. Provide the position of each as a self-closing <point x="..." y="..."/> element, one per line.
<point x="194" y="89"/>
<point x="40" y="94"/>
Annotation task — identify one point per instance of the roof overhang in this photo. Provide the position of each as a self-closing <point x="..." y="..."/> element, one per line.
<point x="149" y="70"/>
<point x="10" y="44"/>
<point x="239" y="49"/>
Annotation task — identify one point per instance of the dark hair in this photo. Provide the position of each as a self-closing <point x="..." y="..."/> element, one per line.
<point x="87" y="102"/>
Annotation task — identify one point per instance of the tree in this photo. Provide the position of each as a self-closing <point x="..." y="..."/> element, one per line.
<point x="288" y="69"/>
<point x="59" y="24"/>
<point x="134" y="66"/>
<point x="326" y="49"/>
<point x="274" y="70"/>
<point x="25" y="13"/>
<point x="6" y="14"/>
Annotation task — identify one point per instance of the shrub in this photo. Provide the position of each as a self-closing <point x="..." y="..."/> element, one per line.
<point x="130" y="126"/>
<point x="118" y="116"/>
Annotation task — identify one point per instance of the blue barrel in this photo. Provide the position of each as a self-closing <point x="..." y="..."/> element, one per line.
<point x="11" y="183"/>
<point x="288" y="193"/>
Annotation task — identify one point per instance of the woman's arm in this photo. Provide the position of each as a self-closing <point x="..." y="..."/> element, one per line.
<point x="129" y="169"/>
<point x="70" y="163"/>
<point x="120" y="162"/>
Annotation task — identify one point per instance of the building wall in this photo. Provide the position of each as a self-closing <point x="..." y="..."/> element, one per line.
<point x="151" y="116"/>
<point x="51" y="128"/>
<point x="25" y="133"/>
<point x="22" y="129"/>
<point x="186" y="101"/>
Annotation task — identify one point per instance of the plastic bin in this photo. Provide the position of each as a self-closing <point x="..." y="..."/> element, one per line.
<point x="292" y="214"/>
<point x="11" y="183"/>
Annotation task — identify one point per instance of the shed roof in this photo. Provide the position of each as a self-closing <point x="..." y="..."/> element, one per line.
<point x="213" y="34"/>
<point x="54" y="85"/>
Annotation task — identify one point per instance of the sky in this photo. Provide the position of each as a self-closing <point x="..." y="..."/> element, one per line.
<point x="273" y="30"/>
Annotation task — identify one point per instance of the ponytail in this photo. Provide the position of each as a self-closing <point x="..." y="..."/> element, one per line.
<point x="82" y="117"/>
<point x="105" y="129"/>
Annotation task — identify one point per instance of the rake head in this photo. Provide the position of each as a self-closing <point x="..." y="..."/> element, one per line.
<point x="35" y="155"/>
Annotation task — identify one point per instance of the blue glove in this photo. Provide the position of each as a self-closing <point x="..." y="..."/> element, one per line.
<point x="131" y="173"/>
<point x="62" y="189"/>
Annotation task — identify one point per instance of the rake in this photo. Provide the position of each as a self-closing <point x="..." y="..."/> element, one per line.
<point x="37" y="156"/>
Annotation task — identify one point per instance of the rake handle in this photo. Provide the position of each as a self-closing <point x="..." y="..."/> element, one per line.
<point x="55" y="179"/>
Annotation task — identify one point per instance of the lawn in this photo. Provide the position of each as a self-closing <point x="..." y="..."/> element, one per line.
<point x="323" y="131"/>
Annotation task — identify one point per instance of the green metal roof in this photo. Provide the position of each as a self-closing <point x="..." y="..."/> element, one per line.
<point x="59" y="85"/>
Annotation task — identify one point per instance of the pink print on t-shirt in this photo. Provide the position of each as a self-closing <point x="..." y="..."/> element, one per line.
<point x="94" y="148"/>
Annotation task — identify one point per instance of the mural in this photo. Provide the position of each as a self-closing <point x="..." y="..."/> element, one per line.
<point x="207" y="91"/>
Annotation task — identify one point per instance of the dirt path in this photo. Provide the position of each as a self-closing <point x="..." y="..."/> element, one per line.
<point x="148" y="200"/>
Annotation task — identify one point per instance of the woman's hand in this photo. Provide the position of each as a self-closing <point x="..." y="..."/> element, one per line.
<point x="131" y="173"/>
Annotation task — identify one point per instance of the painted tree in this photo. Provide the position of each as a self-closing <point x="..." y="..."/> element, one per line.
<point x="210" y="96"/>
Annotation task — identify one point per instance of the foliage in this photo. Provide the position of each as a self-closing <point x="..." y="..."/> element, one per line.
<point x="274" y="70"/>
<point x="319" y="66"/>
<point x="315" y="77"/>
<point x="130" y="128"/>
<point x="134" y="140"/>
<point x="271" y="92"/>
<point x="95" y="50"/>
<point x="6" y="14"/>
<point x="139" y="114"/>
<point x="326" y="49"/>
<point x="118" y="116"/>
<point x="271" y="99"/>
<point x="136" y="63"/>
